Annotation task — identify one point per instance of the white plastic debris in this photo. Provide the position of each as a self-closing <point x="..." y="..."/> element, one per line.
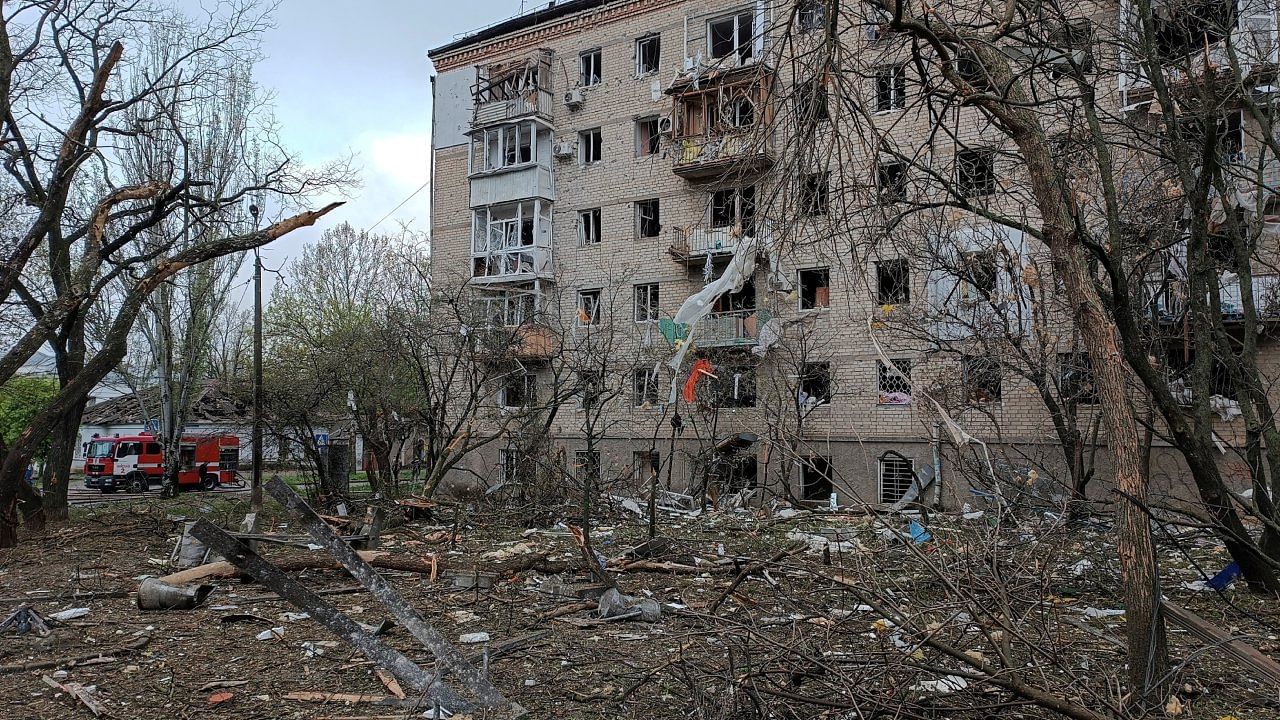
<point x="473" y="638"/>
<point x="275" y="633"/>
<point x="1093" y="612"/>
<point x="296" y="616"/>
<point x="1081" y="567"/>
<point x="947" y="684"/>
<point x="71" y="614"/>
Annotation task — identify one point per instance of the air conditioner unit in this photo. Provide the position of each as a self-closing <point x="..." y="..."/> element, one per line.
<point x="665" y="125"/>
<point x="574" y="98"/>
<point x="563" y="149"/>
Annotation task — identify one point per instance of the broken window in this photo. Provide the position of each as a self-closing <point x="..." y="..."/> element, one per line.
<point x="732" y="36"/>
<point x="589" y="226"/>
<point x="586" y="466"/>
<point x="648" y="137"/>
<point x="811" y="15"/>
<point x="589" y="65"/>
<point x="981" y="378"/>
<point x="734" y="208"/>
<point x="893" y="282"/>
<point x="648" y="218"/>
<point x="744" y="473"/>
<point x="815" y="288"/>
<point x="1072" y="43"/>
<point x="815" y="193"/>
<point x="739" y="112"/>
<point x="693" y="115"/>
<point x="734" y="385"/>
<point x="590" y="146"/>
<point x="891" y="88"/>
<point x="510" y="307"/>
<point x="648" y="54"/>
<point x="894" y="383"/>
<point x="979" y="276"/>
<point x="519" y="389"/>
<point x="1189" y="26"/>
<point x="1075" y="378"/>
<point x="646" y="302"/>
<point x="645" y="464"/>
<point x="589" y="390"/>
<point x="506" y="83"/>
<point x="644" y="388"/>
<point x="896" y="476"/>
<point x="744" y="299"/>
<point x="509" y="145"/>
<point x="815" y="478"/>
<point x="891" y="178"/>
<point x="811" y="102"/>
<point x="588" y="307"/>
<point x="975" y="172"/>
<point x="815" y="384"/>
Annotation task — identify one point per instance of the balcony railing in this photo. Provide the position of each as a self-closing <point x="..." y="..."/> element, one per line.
<point x="704" y="157"/>
<point x="532" y="102"/>
<point x="1170" y="302"/>
<point x="714" y="242"/>
<point x="731" y="329"/>
<point x="512" y="265"/>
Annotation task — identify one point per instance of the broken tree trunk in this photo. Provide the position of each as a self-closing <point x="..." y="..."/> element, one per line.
<point x="363" y="572"/>
<point x="405" y="670"/>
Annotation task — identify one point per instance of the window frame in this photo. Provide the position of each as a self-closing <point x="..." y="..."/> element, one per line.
<point x="880" y="477"/>
<point x="884" y="268"/>
<point x="652" y="297"/>
<point x="883" y="375"/>
<point x="590" y="60"/>
<point x="656" y="219"/>
<point x="975" y="172"/>
<point x="891" y="190"/>
<point x="528" y="384"/>
<point x="814" y="305"/>
<point x="809" y="467"/>
<point x="891" y="88"/>
<point x="652" y="144"/>
<point x="590" y="143"/>
<point x="811" y="15"/>
<point x="644" y="389"/>
<point x="736" y="34"/>
<point x="590" y="226"/>
<point x="819" y="372"/>
<point x="588" y="305"/>
<point x="815" y="193"/>
<point x="982" y="385"/>
<point x="641" y="42"/>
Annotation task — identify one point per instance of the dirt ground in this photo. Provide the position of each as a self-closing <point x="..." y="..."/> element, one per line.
<point x="803" y="636"/>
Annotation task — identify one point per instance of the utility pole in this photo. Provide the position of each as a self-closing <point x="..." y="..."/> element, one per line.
<point x="255" y="494"/>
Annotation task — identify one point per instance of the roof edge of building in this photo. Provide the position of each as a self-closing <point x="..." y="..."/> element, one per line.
<point x="516" y="24"/>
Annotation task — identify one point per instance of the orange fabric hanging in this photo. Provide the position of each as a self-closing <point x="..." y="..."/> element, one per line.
<point x="700" y="368"/>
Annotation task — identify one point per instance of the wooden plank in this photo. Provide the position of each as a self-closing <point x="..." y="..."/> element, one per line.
<point x="404" y="614"/>
<point x="1262" y="667"/>
<point x="404" y="669"/>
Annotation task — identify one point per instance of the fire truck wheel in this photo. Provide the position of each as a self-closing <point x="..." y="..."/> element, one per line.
<point x="209" y="481"/>
<point x="137" y="483"/>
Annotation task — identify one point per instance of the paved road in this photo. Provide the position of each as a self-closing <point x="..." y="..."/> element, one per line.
<point x="78" y="494"/>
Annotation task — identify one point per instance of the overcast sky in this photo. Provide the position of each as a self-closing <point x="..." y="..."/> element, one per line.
<point x="354" y="78"/>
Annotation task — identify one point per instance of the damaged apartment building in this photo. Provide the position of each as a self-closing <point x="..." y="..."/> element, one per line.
<point x="597" y="164"/>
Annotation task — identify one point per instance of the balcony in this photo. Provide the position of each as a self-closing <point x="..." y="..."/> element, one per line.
<point x="1202" y="43"/>
<point x="521" y="182"/>
<point x="736" y="328"/>
<point x="713" y="243"/>
<point x="520" y="264"/>
<point x="536" y="102"/>
<point x="710" y="157"/>
<point x="536" y="342"/>
<point x="1170" y="303"/>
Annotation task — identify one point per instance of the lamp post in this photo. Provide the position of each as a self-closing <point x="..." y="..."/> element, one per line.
<point x="255" y="494"/>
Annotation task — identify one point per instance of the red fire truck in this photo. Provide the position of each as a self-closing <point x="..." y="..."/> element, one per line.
<point x="136" y="462"/>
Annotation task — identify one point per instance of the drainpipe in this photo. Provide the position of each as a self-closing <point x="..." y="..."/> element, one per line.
<point x="936" y="436"/>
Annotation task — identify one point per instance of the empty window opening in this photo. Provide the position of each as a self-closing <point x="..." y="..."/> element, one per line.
<point x="891" y="177"/>
<point x="811" y="15"/>
<point x="891" y="88"/>
<point x="743" y="300"/>
<point x="645" y="464"/>
<point x="1183" y="28"/>
<point x="894" y="383"/>
<point x="815" y="288"/>
<point x="590" y="389"/>
<point x="976" y="172"/>
<point x="506" y="84"/>
<point x="1075" y="378"/>
<point x="1073" y="42"/>
<point x="519" y="389"/>
<point x="896" y="476"/>
<point x="589" y="65"/>
<point x="589" y="232"/>
<point x="980" y="276"/>
<point x="743" y="473"/>
<point x="648" y="136"/>
<point x="644" y="388"/>
<point x="815" y="384"/>
<point x="588" y="307"/>
<point x="648" y="218"/>
<point x="981" y="378"/>
<point x="734" y="385"/>
<point x="811" y="102"/>
<point x="815" y="478"/>
<point x="734" y="208"/>
<point x="893" y="282"/>
<point x="648" y="54"/>
<point x="815" y="193"/>
<point x="732" y="36"/>
<point x="646" y="302"/>
<point x="590" y="146"/>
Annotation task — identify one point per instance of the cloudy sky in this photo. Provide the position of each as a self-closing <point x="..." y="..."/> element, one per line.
<point x="354" y="78"/>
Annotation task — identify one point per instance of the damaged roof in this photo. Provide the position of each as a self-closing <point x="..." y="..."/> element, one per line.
<point x="213" y="403"/>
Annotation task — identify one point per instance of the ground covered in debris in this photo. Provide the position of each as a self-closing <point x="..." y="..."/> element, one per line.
<point x="762" y="614"/>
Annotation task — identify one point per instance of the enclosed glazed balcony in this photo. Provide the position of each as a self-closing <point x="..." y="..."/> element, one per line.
<point x="512" y="242"/>
<point x="1169" y="298"/>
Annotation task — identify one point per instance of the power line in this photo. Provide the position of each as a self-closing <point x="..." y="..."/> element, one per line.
<point x="402" y="202"/>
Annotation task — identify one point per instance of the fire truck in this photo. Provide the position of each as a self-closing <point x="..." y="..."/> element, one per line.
<point x="136" y="462"/>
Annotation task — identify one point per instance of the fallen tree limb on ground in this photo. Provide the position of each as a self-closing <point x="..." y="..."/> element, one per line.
<point x="1262" y="667"/>
<point x="132" y="647"/>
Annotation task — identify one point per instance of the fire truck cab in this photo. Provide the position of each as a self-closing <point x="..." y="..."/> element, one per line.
<point x="136" y="462"/>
